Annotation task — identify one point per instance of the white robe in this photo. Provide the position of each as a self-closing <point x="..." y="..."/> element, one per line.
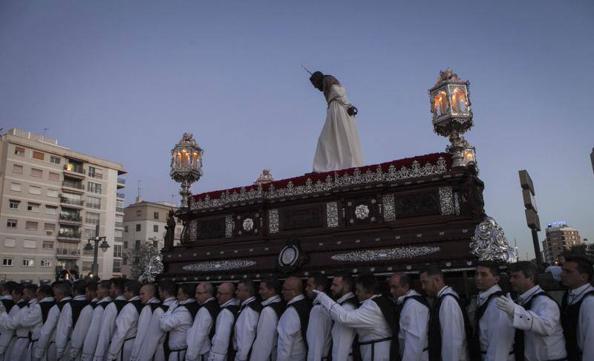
<point x="33" y="320"/>
<point x="45" y="348"/>
<point x="338" y="145"/>
<point x="245" y="330"/>
<point x="497" y="333"/>
<point x="414" y="324"/>
<point x="291" y="346"/>
<point x="144" y="323"/>
<point x="266" y="335"/>
<point x="124" y="333"/>
<point x="585" y="326"/>
<point x="318" y="333"/>
<point x="92" y="337"/>
<point x="453" y="332"/>
<point x="369" y="322"/>
<point x="343" y="335"/>
<point x="10" y="323"/>
<point x="222" y="336"/>
<point x="177" y="320"/>
<point x="107" y="328"/>
<point x="80" y="331"/>
<point x="198" y="337"/>
<point x="543" y="336"/>
<point x="64" y="328"/>
<point x="152" y="344"/>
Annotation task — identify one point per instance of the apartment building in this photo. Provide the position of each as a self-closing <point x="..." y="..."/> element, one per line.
<point x="144" y="223"/>
<point x="52" y="199"/>
<point x="559" y="239"/>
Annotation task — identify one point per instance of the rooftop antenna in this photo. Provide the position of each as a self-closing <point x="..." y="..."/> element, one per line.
<point x="138" y="199"/>
<point x="45" y="132"/>
<point x="307" y="70"/>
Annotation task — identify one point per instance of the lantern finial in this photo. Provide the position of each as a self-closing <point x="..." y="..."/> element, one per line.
<point x="186" y="165"/>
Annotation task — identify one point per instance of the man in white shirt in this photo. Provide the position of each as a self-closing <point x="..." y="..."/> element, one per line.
<point x="320" y="324"/>
<point x="45" y="347"/>
<point x="577" y="315"/>
<point x="264" y="347"/>
<point x="373" y="319"/>
<point x="447" y="322"/>
<point x="126" y="323"/>
<point x="154" y="338"/>
<point x="69" y="317"/>
<point x="413" y="315"/>
<point x="247" y="320"/>
<point x="83" y="322"/>
<point x="109" y="318"/>
<point x="494" y="337"/>
<point x="536" y="317"/>
<point x="14" y="339"/>
<point x="221" y="341"/>
<point x="92" y="336"/>
<point x="36" y="316"/>
<point x="203" y="326"/>
<point x="149" y="304"/>
<point x="177" y="320"/>
<point x="292" y="325"/>
<point x="342" y="335"/>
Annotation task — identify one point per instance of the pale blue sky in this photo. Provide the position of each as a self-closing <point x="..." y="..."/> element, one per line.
<point x="124" y="79"/>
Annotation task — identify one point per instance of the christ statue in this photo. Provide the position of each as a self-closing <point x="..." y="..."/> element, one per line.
<point x="338" y="145"/>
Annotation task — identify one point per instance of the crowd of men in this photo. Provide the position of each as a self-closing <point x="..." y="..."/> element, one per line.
<point x="341" y="319"/>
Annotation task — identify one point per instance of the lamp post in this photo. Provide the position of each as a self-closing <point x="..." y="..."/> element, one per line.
<point x="452" y="115"/>
<point x="90" y="247"/>
<point x="186" y="165"/>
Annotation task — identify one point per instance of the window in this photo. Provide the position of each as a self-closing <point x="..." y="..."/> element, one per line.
<point x="137" y="244"/>
<point x="51" y="209"/>
<point x="93" y="202"/>
<point x="52" y="193"/>
<point x="117" y="250"/>
<point x="29" y="244"/>
<point x="138" y="228"/>
<point x="49" y="227"/>
<point x="156" y="215"/>
<point x="31" y="226"/>
<point x="7" y="262"/>
<point x="126" y="229"/>
<point x="9" y="242"/>
<point x="138" y="212"/>
<point x="117" y="265"/>
<point x="54" y="159"/>
<point x="28" y="262"/>
<point x="13" y="203"/>
<point x="37" y="173"/>
<point x="94" y="187"/>
<point x="92" y="218"/>
<point x="15" y="187"/>
<point x="20" y="151"/>
<point x="47" y="245"/>
<point x="126" y="244"/>
<point x="38" y="155"/>
<point x="17" y="169"/>
<point x="46" y="263"/>
<point x="11" y="223"/>
<point x="95" y="173"/>
<point x="34" y="190"/>
<point x="155" y="228"/>
<point x="54" y="177"/>
<point x="33" y="207"/>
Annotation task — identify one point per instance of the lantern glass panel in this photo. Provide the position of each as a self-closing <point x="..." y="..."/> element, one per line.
<point x="440" y="103"/>
<point x="459" y="100"/>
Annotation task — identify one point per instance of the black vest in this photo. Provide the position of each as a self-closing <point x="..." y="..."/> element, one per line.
<point x="395" y="349"/>
<point x="278" y="307"/>
<point x="8" y="305"/>
<point x="570" y="315"/>
<point x="154" y="306"/>
<point x="119" y="304"/>
<point x="388" y="309"/>
<point x="63" y="303"/>
<point x="192" y="307"/>
<point x="235" y="312"/>
<point x="519" y="336"/>
<point x="77" y="306"/>
<point x="435" y="326"/>
<point x="474" y="343"/>
<point x="137" y="305"/>
<point x="356" y="352"/>
<point x="45" y="308"/>
<point x="22" y="304"/>
<point x="213" y="309"/>
<point x="103" y="304"/>
<point x="302" y="307"/>
<point x="94" y="304"/>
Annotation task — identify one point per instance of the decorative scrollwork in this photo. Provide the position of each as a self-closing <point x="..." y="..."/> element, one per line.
<point x="490" y="244"/>
<point x="215" y="266"/>
<point x="386" y="254"/>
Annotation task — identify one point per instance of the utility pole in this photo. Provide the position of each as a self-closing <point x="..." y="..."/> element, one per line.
<point x="531" y="211"/>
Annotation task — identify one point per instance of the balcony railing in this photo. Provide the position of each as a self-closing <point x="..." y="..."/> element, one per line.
<point x="70" y="217"/>
<point x="118" y="239"/>
<point x="69" y="234"/>
<point x="121" y="195"/>
<point x="120" y="209"/>
<point x="69" y="252"/>
<point x="73" y="185"/>
<point x="74" y="202"/>
<point x="73" y="168"/>
<point x="119" y="224"/>
<point x="121" y="181"/>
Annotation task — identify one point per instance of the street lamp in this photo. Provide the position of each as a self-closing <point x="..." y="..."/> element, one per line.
<point x="452" y="115"/>
<point x="186" y="165"/>
<point x="90" y="247"/>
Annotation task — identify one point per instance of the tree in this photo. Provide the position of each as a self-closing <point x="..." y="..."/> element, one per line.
<point x="146" y="262"/>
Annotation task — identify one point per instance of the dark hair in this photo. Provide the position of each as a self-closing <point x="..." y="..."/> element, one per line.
<point x="63" y="287"/>
<point x="31" y="287"/>
<point x="319" y="280"/>
<point x="403" y="279"/>
<point x="105" y="284"/>
<point x="79" y="287"/>
<point x="433" y="270"/>
<point x="168" y="287"/>
<point x="188" y="289"/>
<point x="527" y="268"/>
<point x="272" y="283"/>
<point x="132" y="286"/>
<point x="492" y="266"/>
<point x="249" y="284"/>
<point x="368" y="283"/>
<point x="18" y="289"/>
<point x="10" y="286"/>
<point x="46" y="290"/>
<point x="347" y="279"/>
<point x="584" y="266"/>
<point x="91" y="286"/>
<point x="118" y="283"/>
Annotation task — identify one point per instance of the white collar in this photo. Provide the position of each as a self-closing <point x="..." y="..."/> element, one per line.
<point x="231" y="302"/>
<point x="105" y="299"/>
<point x="484" y="295"/>
<point x="6" y="297"/>
<point x="251" y="299"/>
<point x="95" y="300"/>
<point x="269" y="300"/>
<point x="47" y="299"/>
<point x="189" y="300"/>
<point x="208" y="300"/>
<point x="295" y="299"/>
<point x="121" y="298"/>
<point x="80" y="298"/>
<point x="134" y="299"/>
<point x="67" y="298"/>
<point x="153" y="300"/>
<point x="528" y="294"/>
<point x="345" y="297"/>
<point x="408" y="293"/>
<point x="443" y="290"/>
<point x="577" y="291"/>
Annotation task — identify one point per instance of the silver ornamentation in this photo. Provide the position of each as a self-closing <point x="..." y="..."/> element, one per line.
<point x="386" y="254"/>
<point x="193" y="230"/>
<point x="446" y="201"/>
<point x="273" y="223"/>
<point x="248" y="224"/>
<point x="331" y="183"/>
<point x="361" y="211"/>
<point x="215" y="266"/>
<point x="332" y="214"/>
<point x="228" y="226"/>
<point x="490" y="244"/>
<point x="389" y="208"/>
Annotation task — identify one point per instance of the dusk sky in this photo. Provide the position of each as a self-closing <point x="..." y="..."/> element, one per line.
<point x="123" y="80"/>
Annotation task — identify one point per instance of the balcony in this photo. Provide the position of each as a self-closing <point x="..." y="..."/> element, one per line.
<point x="70" y="253"/>
<point x="72" y="202"/>
<point x="73" y="186"/>
<point x="72" y="236"/>
<point x="119" y="224"/>
<point x="121" y="195"/>
<point x="70" y="218"/>
<point x="74" y="170"/>
<point x="119" y="209"/>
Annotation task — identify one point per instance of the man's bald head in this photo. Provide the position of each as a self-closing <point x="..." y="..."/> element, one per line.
<point x="292" y="287"/>
<point x="225" y="292"/>
<point x="147" y="292"/>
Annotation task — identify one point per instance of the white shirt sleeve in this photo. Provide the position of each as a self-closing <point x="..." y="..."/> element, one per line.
<point x="63" y="329"/>
<point x="363" y="316"/>
<point x="414" y="323"/>
<point x="288" y="330"/>
<point x="586" y="328"/>
<point x="453" y="334"/>
<point x="266" y="335"/>
<point x="198" y="334"/>
<point x="220" y="341"/>
<point x="541" y="319"/>
<point x="245" y="332"/>
<point x="342" y="337"/>
<point x="32" y="317"/>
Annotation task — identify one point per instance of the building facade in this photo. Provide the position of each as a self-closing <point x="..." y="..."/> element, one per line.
<point x="144" y="223"/>
<point x="559" y="239"/>
<point x="53" y="198"/>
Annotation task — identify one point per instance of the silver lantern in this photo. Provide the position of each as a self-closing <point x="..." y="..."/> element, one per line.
<point x="186" y="165"/>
